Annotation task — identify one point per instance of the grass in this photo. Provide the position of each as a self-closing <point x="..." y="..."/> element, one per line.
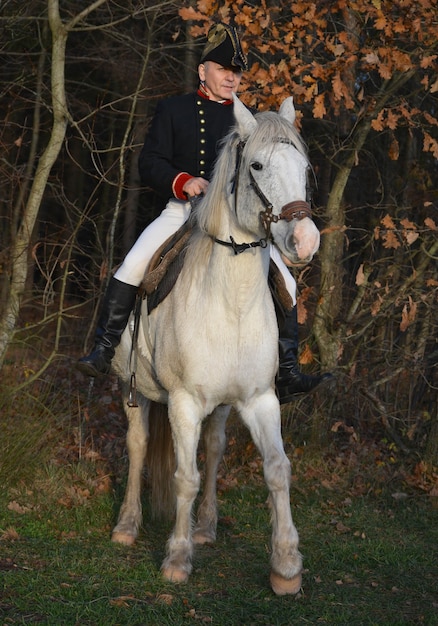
<point x="370" y="558"/>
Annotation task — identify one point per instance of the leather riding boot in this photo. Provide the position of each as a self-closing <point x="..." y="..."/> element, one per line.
<point x="117" y="306"/>
<point x="290" y="381"/>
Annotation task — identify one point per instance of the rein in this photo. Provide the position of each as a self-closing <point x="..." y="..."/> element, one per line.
<point x="298" y="209"/>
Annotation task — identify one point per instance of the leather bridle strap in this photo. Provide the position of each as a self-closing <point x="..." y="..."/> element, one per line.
<point x="238" y="248"/>
<point x="299" y="209"/>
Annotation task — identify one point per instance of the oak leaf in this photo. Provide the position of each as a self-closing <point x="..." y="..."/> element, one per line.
<point x="391" y="120"/>
<point x="402" y="60"/>
<point x="189" y="13"/>
<point x="410" y="232"/>
<point x="371" y="58"/>
<point x="360" y="276"/>
<point x="306" y="355"/>
<point x="319" y="109"/>
<point x="430" y="145"/>
<point x="388" y="222"/>
<point x="385" y="71"/>
<point x="434" y="87"/>
<point x="408" y="314"/>
<point x="428" y="61"/>
<point x="376" y="306"/>
<point x="390" y="240"/>
<point x="338" y="86"/>
<point x="381" y="23"/>
<point x="301" y="304"/>
<point x="394" y="150"/>
<point x="377" y="123"/>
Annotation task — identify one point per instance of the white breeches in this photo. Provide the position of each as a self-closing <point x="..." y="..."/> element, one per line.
<point x="164" y="226"/>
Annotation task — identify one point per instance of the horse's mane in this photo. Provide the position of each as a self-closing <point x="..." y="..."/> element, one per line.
<point x="271" y="128"/>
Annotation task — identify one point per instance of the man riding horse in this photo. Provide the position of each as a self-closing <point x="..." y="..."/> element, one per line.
<point x="176" y="161"/>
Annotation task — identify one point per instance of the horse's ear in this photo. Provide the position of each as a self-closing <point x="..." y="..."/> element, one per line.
<point x="287" y="109"/>
<point x="245" y="120"/>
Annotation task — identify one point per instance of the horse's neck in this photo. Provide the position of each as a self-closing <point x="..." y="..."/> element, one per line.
<point x="239" y="280"/>
<point x="213" y="268"/>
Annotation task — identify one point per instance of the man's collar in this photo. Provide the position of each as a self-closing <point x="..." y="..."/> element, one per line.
<point x="204" y="94"/>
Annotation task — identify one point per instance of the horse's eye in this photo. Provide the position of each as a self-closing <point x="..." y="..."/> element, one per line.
<point x="256" y="166"/>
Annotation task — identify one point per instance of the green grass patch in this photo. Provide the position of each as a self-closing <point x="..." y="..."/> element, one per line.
<point x="368" y="560"/>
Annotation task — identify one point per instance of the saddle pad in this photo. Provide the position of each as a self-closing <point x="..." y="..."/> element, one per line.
<point x="164" y="268"/>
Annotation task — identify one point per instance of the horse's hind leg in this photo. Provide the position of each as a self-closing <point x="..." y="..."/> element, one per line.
<point x="215" y="441"/>
<point x="185" y="418"/>
<point x="263" y="420"/>
<point x="130" y="516"/>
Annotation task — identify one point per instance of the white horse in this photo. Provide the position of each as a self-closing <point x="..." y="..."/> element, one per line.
<point x="212" y="343"/>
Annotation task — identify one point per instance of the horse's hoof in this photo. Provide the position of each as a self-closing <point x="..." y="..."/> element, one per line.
<point x="284" y="586"/>
<point x="202" y="537"/>
<point x="174" y="575"/>
<point x="123" y="538"/>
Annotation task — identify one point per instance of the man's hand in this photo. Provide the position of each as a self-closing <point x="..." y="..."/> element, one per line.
<point x="195" y="186"/>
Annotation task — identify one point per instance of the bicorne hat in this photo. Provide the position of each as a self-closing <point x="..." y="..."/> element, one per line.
<point x="223" y="47"/>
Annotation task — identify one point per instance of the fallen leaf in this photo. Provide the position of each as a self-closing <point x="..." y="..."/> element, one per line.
<point x="18" y="508"/>
<point x="341" y="528"/>
<point x="166" y="598"/>
<point x="10" y="534"/>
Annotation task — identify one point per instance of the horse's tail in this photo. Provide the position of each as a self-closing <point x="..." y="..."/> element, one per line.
<point x="160" y="461"/>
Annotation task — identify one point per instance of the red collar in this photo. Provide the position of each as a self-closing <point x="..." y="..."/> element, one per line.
<point x="203" y="93"/>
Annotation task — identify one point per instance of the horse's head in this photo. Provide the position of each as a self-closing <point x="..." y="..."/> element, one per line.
<point x="271" y="174"/>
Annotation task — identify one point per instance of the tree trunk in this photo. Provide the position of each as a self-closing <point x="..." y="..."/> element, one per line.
<point x="325" y="328"/>
<point x="19" y="261"/>
<point x="20" y="249"/>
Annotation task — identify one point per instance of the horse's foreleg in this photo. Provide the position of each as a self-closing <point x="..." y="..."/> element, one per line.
<point x="130" y="516"/>
<point x="263" y="420"/>
<point x="185" y="420"/>
<point x="215" y="441"/>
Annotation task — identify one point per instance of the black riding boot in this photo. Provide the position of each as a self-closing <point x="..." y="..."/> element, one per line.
<point x="117" y="306"/>
<point x="290" y="381"/>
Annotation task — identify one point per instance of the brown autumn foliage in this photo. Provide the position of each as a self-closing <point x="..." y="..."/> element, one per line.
<point x="363" y="76"/>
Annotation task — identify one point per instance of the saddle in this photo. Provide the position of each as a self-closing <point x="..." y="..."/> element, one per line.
<point x="167" y="262"/>
<point x="164" y="267"/>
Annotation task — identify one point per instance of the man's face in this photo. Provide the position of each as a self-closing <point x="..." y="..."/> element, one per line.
<point x="219" y="81"/>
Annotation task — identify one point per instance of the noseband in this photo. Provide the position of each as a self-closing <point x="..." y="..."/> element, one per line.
<point x="296" y="210"/>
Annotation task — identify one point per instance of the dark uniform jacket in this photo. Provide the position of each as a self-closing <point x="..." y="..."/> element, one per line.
<point x="183" y="141"/>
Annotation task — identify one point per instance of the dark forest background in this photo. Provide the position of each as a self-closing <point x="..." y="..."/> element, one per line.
<point x="79" y="84"/>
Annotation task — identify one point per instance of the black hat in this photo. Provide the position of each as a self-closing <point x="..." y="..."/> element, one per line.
<point x="223" y="47"/>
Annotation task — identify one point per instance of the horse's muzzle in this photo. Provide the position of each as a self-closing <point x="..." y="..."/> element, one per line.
<point x="305" y="240"/>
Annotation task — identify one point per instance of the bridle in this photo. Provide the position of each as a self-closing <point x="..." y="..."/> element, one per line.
<point x="298" y="209"/>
